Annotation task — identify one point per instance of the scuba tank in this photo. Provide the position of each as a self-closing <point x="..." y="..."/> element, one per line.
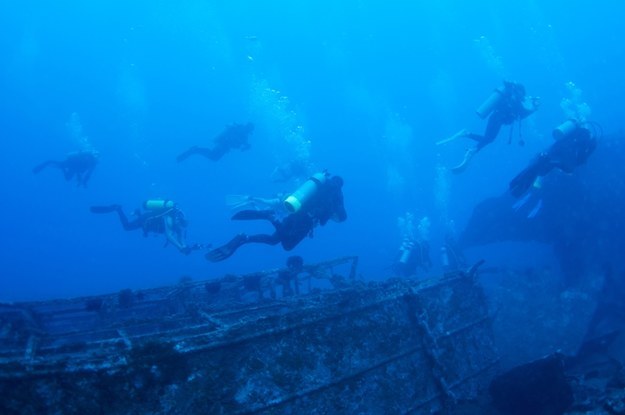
<point x="445" y="258"/>
<point x="305" y="192"/>
<point x="158" y="204"/>
<point x="406" y="252"/>
<point x="566" y="128"/>
<point x="491" y="102"/>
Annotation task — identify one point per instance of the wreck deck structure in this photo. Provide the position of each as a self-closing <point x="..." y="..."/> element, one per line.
<point x="237" y="345"/>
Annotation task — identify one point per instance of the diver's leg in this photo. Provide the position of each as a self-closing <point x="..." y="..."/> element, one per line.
<point x="225" y="251"/>
<point x="293" y="230"/>
<point x="85" y="179"/>
<point x="492" y="129"/>
<point x="209" y="153"/>
<point x="126" y="224"/>
<point x="495" y="121"/>
<point x="540" y="166"/>
<point x="215" y="153"/>
<point x="475" y="137"/>
<point x="468" y="155"/>
<point x="186" y="154"/>
<point x="38" y="168"/>
<point x="461" y="133"/>
<point x="264" y="239"/>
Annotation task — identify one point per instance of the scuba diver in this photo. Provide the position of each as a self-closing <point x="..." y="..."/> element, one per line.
<point x="505" y="105"/>
<point x="413" y="253"/>
<point x="158" y="216"/>
<point x="233" y="136"/>
<point x="574" y="144"/>
<point x="316" y="201"/>
<point x="79" y="164"/>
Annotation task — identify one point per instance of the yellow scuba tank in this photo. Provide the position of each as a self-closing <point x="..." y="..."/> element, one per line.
<point x="487" y="106"/>
<point x="158" y="204"/>
<point x="305" y="192"/>
<point x="564" y="129"/>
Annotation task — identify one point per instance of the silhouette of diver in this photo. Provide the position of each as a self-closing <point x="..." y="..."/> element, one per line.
<point x="505" y="105"/>
<point x="78" y="164"/>
<point x="566" y="153"/>
<point x="159" y="217"/>
<point x="233" y="136"/>
<point x="322" y="200"/>
<point x="413" y="254"/>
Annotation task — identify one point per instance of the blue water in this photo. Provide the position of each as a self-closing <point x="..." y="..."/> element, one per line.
<point x="362" y="88"/>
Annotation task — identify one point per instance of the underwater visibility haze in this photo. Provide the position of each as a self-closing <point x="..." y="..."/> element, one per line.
<point x="364" y="89"/>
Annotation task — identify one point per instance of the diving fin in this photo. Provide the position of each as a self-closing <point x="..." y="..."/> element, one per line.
<point x="535" y="210"/>
<point x="185" y="155"/>
<point x="104" y="209"/>
<point x="235" y="202"/>
<point x="225" y="251"/>
<point x="465" y="162"/>
<point x="459" y="134"/>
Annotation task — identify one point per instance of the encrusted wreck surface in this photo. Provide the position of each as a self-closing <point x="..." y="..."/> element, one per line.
<point x="236" y="346"/>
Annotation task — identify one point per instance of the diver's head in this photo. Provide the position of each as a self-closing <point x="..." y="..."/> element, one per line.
<point x="514" y="88"/>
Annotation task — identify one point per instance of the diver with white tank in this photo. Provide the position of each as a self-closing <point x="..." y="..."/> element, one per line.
<point x="315" y="202"/>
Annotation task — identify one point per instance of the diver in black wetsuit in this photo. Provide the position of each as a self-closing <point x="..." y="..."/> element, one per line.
<point x="568" y="152"/>
<point x="234" y="136"/>
<point x="79" y="164"/>
<point x="505" y="105"/>
<point x="159" y="217"/>
<point x="318" y="200"/>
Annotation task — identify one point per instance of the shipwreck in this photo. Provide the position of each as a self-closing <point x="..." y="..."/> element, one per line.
<point x="245" y="345"/>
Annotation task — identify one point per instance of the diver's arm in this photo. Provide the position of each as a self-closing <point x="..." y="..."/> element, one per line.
<point x="529" y="106"/>
<point x="172" y="236"/>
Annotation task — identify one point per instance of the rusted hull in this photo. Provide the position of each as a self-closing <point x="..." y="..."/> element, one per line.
<point x="394" y="347"/>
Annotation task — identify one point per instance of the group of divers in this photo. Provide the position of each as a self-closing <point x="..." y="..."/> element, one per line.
<point x="319" y="198"/>
<point x="313" y="203"/>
